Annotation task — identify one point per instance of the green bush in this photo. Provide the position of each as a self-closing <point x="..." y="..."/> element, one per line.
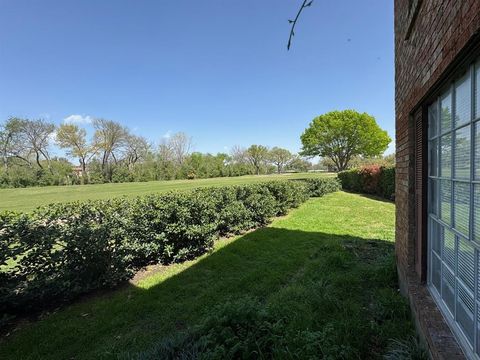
<point x="378" y="180"/>
<point x="318" y="187"/>
<point x="61" y="251"/>
<point x="350" y="180"/>
<point x="387" y="182"/>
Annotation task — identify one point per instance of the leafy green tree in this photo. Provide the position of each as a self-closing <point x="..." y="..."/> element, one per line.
<point x="109" y="138"/>
<point x="297" y="163"/>
<point x="280" y="157"/>
<point x="74" y="140"/>
<point x="257" y="155"/>
<point x="340" y="135"/>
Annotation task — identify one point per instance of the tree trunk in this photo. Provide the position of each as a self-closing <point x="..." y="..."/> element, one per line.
<point x="37" y="157"/>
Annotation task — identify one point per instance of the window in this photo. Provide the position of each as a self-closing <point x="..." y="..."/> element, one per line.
<point x="454" y="206"/>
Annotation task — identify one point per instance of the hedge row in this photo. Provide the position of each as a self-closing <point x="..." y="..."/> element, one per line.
<point x="63" y="250"/>
<point x="372" y="179"/>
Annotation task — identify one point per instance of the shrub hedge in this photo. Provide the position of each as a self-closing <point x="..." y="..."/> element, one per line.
<point x="371" y="179"/>
<point x="61" y="251"/>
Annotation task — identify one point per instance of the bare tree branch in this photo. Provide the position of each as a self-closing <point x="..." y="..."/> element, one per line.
<point x="306" y="3"/>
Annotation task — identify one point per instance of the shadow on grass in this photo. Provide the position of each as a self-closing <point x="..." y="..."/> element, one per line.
<point x="371" y="196"/>
<point x="311" y="279"/>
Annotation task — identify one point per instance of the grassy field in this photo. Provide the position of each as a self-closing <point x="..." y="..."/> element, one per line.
<point x="318" y="283"/>
<point x="29" y="198"/>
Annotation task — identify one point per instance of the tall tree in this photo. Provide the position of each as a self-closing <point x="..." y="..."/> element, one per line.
<point x="13" y="142"/>
<point x="279" y="157"/>
<point x="74" y="139"/>
<point x="37" y="134"/>
<point x="297" y="163"/>
<point x="340" y="135"/>
<point x="109" y="138"/>
<point x="136" y="149"/>
<point x="180" y="145"/>
<point x="238" y="154"/>
<point x="257" y="155"/>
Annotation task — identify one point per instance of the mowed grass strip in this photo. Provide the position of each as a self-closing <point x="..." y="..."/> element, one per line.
<point x="326" y="268"/>
<point x="27" y="199"/>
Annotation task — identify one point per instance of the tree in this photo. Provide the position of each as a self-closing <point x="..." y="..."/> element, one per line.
<point x="279" y="157"/>
<point x="74" y="139"/>
<point x="13" y="142"/>
<point x="180" y="145"/>
<point x="297" y="163"/>
<point x="109" y="137"/>
<point x="340" y="135"/>
<point x="37" y="135"/>
<point x="137" y="149"/>
<point x="257" y="155"/>
<point x="238" y="154"/>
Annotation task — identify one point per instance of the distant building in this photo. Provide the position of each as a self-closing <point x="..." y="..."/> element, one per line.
<point x="77" y="170"/>
<point x="437" y="77"/>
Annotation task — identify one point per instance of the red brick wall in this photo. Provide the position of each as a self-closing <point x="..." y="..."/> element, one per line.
<point x="442" y="32"/>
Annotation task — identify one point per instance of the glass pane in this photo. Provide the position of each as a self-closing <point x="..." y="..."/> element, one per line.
<point x="433" y="196"/>
<point x="466" y="263"/>
<point x="477" y="90"/>
<point x="445" y="200"/>
<point x="476" y="213"/>
<point x="478" y="327"/>
<point x="462" y="153"/>
<point x="463" y="94"/>
<point x="436" y="272"/>
<point x="448" y="289"/>
<point x="446" y="112"/>
<point x="449" y="248"/>
<point x="461" y="201"/>
<point x="433" y="157"/>
<point x="465" y="311"/>
<point x="477" y="150"/>
<point x="478" y="277"/>
<point x="433" y="119"/>
<point x="446" y="156"/>
<point x="436" y="236"/>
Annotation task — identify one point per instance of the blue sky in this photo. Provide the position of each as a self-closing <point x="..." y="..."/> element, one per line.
<point x="217" y="70"/>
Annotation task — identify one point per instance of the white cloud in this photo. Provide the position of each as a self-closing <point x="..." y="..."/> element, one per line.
<point x="167" y="135"/>
<point x="79" y="119"/>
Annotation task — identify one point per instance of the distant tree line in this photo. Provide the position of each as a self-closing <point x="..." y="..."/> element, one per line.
<point x="115" y="154"/>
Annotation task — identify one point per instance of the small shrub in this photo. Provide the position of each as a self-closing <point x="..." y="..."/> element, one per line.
<point x="409" y="349"/>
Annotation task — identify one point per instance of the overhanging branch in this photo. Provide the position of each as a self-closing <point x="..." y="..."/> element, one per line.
<point x="305" y="4"/>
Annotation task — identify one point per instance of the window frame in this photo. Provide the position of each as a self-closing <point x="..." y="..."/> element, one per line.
<point x="434" y="202"/>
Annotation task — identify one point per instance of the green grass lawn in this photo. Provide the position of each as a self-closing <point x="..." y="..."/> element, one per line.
<point x="325" y="273"/>
<point x="29" y="198"/>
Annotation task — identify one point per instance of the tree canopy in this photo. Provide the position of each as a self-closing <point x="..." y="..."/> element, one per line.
<point x="258" y="156"/>
<point x="341" y="135"/>
<point x="280" y="157"/>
